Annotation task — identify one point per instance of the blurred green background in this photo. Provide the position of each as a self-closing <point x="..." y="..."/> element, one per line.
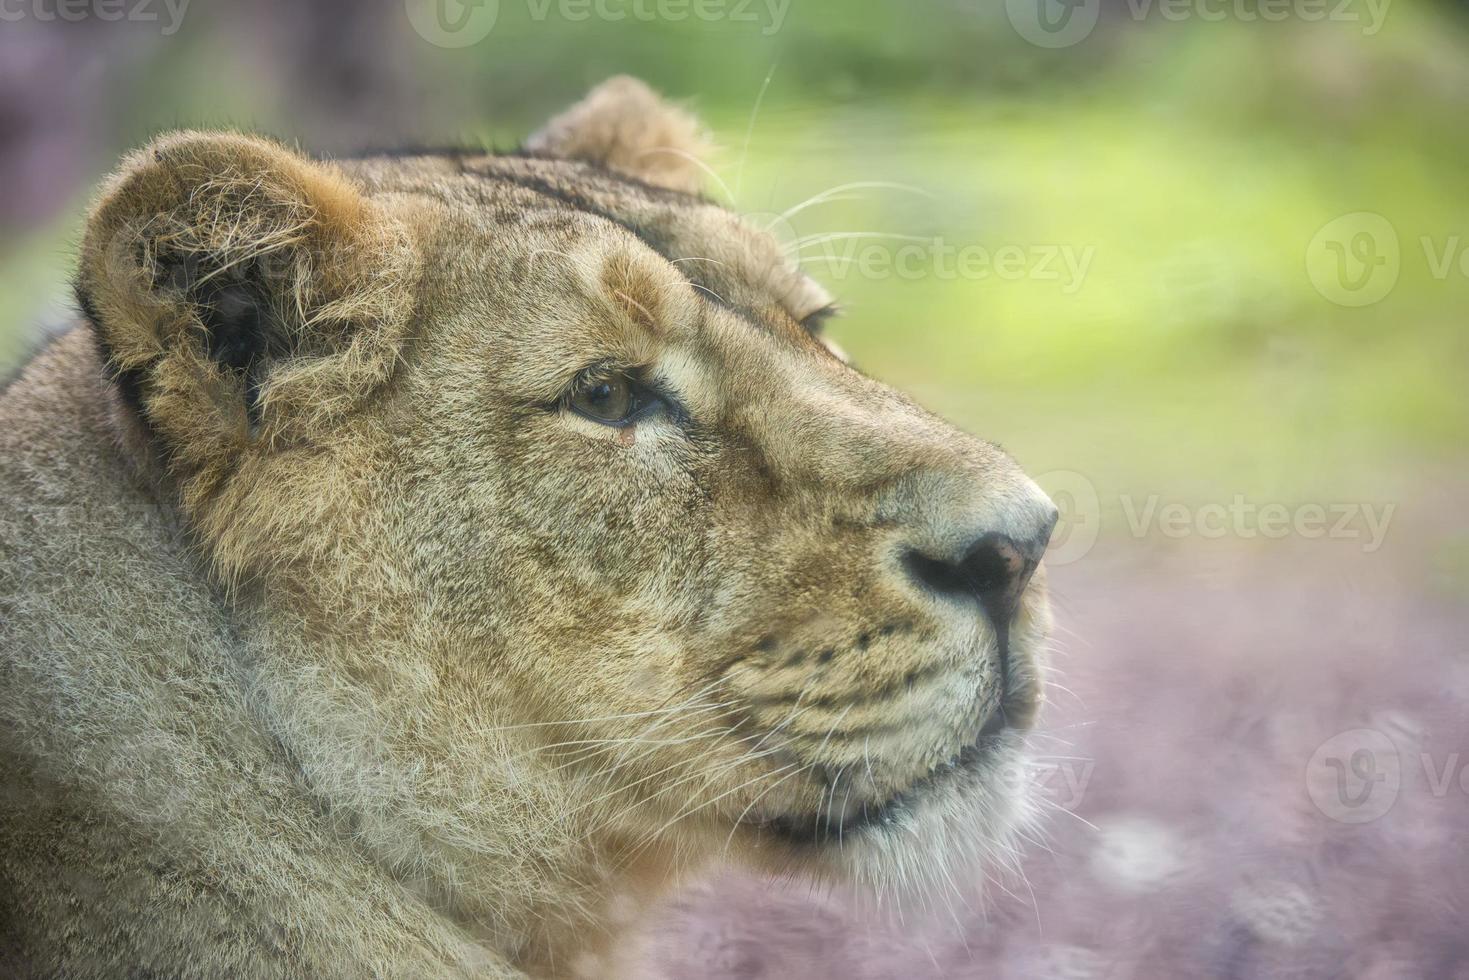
<point x="1156" y="296"/>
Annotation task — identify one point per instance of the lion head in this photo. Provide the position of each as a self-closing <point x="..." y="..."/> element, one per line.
<point x="561" y="546"/>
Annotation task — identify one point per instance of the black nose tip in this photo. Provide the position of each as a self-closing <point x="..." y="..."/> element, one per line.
<point x="994" y="570"/>
<point x="1000" y="569"/>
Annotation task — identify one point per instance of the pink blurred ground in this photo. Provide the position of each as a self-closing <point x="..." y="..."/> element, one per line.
<point x="1209" y="842"/>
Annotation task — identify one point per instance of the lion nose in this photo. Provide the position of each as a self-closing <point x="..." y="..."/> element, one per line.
<point x="993" y="569"/>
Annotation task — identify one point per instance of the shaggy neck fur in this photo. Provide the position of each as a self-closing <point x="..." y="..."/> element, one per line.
<point x="395" y="743"/>
<point x="459" y="800"/>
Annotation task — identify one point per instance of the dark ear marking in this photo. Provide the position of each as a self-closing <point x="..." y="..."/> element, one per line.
<point x="235" y="319"/>
<point x="239" y="329"/>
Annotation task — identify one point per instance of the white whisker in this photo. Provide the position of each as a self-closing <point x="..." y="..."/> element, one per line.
<point x="750" y="131"/>
<point x="809" y="240"/>
<point x="710" y="171"/>
<point x="839" y="193"/>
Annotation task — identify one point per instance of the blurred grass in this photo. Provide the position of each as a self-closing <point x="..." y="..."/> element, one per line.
<point x="1196" y="349"/>
<point x="1196" y="359"/>
<point x="1193" y="164"/>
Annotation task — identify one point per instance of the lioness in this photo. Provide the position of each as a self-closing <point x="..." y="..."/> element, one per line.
<point x="413" y="564"/>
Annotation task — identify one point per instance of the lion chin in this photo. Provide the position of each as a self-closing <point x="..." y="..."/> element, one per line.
<point x="941" y="839"/>
<point x="411" y="563"/>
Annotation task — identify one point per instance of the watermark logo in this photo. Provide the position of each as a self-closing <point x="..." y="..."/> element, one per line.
<point x="1355" y="777"/>
<point x="453" y="23"/>
<point x="1080" y="518"/>
<point x="1354" y="260"/>
<point x="1053" y="23"/>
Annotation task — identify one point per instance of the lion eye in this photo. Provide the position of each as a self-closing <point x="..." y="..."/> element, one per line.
<point x="617" y="400"/>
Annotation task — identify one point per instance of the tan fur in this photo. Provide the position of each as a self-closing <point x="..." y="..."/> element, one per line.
<point x="408" y="670"/>
<point x="623" y="126"/>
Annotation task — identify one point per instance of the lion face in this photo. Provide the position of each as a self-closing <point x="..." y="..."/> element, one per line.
<point x="581" y="474"/>
<point x="686" y="516"/>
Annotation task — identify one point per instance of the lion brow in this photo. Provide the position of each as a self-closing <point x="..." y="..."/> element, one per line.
<point x="578" y="202"/>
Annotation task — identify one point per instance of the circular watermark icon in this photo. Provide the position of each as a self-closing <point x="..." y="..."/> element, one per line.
<point x="1354" y="260"/>
<point x="453" y="23"/>
<point x="1053" y="23"/>
<point x="1355" y="777"/>
<point x="1080" y="519"/>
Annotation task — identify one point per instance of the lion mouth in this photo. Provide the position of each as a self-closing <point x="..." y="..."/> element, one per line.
<point x="846" y="814"/>
<point x="826" y="826"/>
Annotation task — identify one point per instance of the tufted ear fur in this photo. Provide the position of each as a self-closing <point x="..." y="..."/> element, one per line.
<point x="624" y="126"/>
<point x="241" y="293"/>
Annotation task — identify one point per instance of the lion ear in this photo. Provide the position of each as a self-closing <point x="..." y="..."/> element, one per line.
<point x="238" y="288"/>
<point x="625" y="126"/>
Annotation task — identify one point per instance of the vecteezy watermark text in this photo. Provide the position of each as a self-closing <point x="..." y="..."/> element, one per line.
<point x="1064" y="782"/>
<point x="1368" y="13"/>
<point x="1242" y="518"/>
<point x="768" y="15"/>
<point x="940" y="259"/>
<point x="1081" y="512"/>
<point x="170" y="13"/>
<point x="460" y="23"/>
<point x="1062" y="23"/>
